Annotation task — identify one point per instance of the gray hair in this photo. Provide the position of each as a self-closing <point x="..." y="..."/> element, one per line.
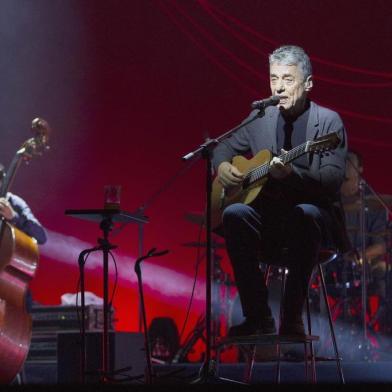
<point x="292" y="55"/>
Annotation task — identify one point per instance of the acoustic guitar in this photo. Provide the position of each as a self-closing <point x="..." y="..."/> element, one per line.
<point x="256" y="172"/>
<point x="18" y="263"/>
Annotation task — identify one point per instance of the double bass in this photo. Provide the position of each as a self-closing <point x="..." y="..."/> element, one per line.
<point x="18" y="263"/>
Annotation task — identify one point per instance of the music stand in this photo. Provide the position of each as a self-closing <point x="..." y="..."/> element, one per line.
<point x="106" y="217"/>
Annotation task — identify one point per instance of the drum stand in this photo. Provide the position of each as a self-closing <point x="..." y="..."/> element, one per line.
<point x="365" y="345"/>
<point x="220" y="278"/>
<point x="362" y="227"/>
<point x="388" y="284"/>
<point x="385" y="307"/>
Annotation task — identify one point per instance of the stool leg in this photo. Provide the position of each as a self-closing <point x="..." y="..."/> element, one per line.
<point x="312" y="356"/>
<point x="250" y="365"/>
<point x="217" y="360"/>
<point x="278" y="347"/>
<point x="331" y="327"/>
<point x="267" y="274"/>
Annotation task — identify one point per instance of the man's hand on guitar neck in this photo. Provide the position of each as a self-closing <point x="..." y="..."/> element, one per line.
<point x="229" y="176"/>
<point x="278" y="169"/>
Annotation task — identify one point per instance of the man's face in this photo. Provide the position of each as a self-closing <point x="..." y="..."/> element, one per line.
<point x="288" y="82"/>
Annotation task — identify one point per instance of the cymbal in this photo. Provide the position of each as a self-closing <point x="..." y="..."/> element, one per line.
<point x="370" y="201"/>
<point x="214" y="245"/>
<point x="195" y="217"/>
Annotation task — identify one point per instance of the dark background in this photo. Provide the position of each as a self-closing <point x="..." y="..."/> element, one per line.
<point x="129" y="87"/>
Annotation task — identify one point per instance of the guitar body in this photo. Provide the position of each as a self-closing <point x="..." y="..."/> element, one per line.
<point x="220" y="199"/>
<point x="18" y="264"/>
<point x="256" y="175"/>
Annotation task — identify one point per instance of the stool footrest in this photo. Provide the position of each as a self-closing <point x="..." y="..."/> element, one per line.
<point x="326" y="359"/>
<point x="267" y="339"/>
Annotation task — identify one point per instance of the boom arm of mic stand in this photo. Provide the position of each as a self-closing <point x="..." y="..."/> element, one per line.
<point x="210" y="143"/>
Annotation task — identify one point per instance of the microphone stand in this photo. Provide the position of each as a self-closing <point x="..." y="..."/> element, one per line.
<point x="81" y="262"/>
<point x="208" y="371"/>
<point x="147" y="345"/>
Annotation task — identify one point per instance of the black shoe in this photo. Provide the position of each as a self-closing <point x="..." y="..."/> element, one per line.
<point x="292" y="328"/>
<point x="250" y="327"/>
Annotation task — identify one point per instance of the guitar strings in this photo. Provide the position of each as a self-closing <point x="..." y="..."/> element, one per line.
<point x="261" y="170"/>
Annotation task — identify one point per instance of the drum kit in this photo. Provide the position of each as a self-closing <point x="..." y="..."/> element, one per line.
<point x="360" y="299"/>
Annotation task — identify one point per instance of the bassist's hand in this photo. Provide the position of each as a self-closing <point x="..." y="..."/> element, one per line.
<point x="6" y="209"/>
<point x="229" y="176"/>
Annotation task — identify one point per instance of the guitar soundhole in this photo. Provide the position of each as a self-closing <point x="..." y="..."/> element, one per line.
<point x="246" y="183"/>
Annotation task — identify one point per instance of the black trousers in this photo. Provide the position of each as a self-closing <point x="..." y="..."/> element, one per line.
<point x="292" y="239"/>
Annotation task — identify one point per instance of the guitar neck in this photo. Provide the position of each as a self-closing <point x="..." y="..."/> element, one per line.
<point x="10" y="174"/>
<point x="261" y="171"/>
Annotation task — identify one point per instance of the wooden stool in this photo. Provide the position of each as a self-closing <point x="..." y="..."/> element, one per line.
<point x="310" y="359"/>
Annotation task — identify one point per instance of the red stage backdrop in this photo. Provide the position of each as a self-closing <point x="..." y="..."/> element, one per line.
<point x="129" y="87"/>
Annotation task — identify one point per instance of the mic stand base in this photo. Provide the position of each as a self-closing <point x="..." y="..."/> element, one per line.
<point x="208" y="375"/>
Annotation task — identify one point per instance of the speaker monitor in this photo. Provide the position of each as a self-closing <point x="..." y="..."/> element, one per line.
<point x="126" y="350"/>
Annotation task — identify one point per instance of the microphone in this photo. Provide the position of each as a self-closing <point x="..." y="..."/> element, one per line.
<point x="263" y="103"/>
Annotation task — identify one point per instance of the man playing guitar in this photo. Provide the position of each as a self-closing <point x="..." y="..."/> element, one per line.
<point x="295" y="213"/>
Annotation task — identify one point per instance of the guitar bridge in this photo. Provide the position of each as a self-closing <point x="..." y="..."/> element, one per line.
<point x="222" y="199"/>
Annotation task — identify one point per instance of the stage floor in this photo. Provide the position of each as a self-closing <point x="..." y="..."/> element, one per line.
<point x="291" y="372"/>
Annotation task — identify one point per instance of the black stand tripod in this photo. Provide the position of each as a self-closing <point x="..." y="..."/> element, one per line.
<point x="106" y="217"/>
<point x="207" y="372"/>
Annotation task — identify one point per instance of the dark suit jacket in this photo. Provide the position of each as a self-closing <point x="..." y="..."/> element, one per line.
<point x="321" y="181"/>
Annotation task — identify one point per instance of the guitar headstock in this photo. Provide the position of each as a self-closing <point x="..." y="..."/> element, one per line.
<point x="324" y="143"/>
<point x="39" y="142"/>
